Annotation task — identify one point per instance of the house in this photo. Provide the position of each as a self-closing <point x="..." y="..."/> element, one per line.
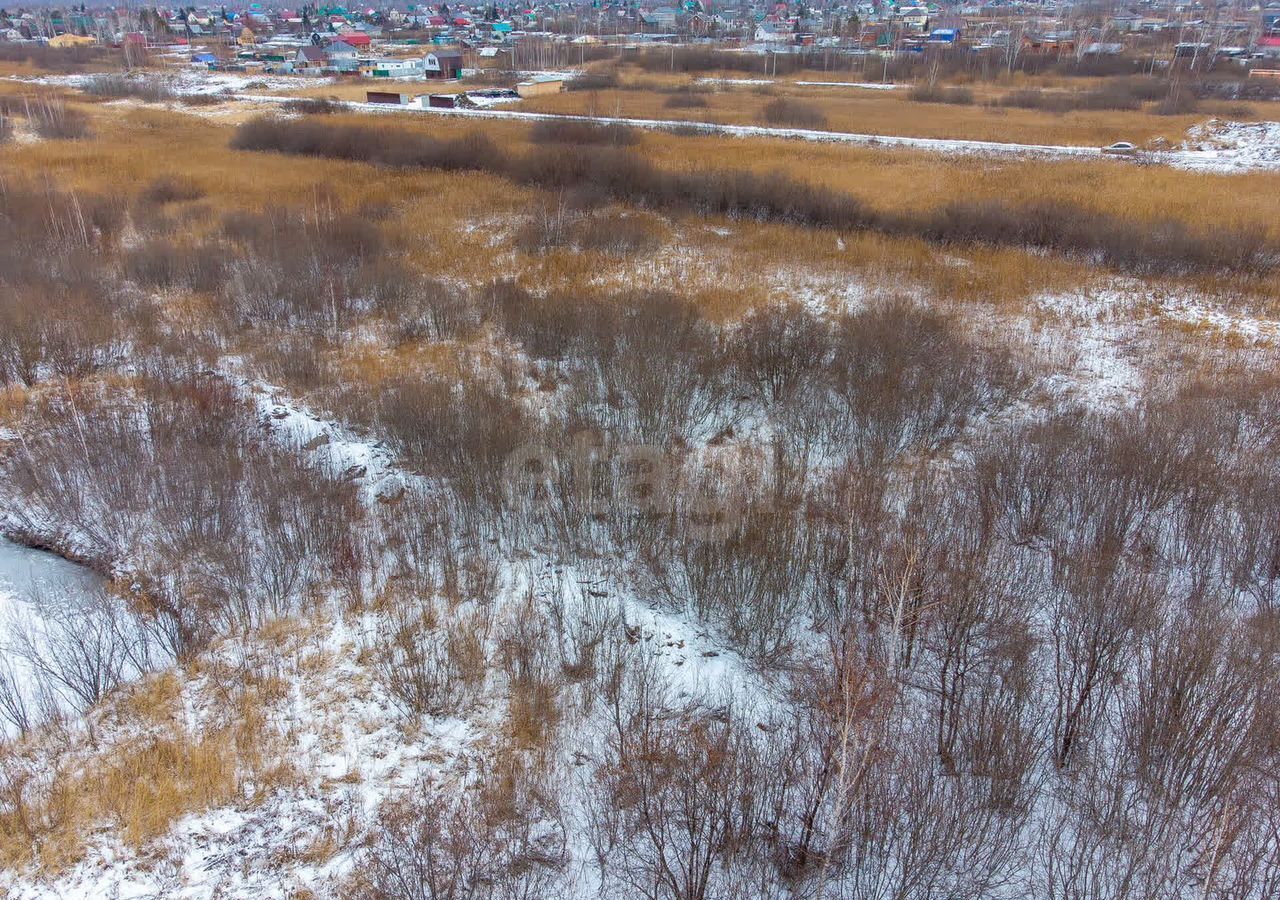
<point x="411" y="67"/>
<point x="247" y="38"/>
<point x="1269" y="47"/>
<point x="662" y="17"/>
<point x="356" y="39"/>
<point x="341" y="57"/>
<point x="443" y="64"/>
<point x="71" y="40"/>
<point x="768" y="34"/>
<point x="1050" y="44"/>
<point x="309" y="58"/>
<point x="340" y="51"/>
<point x="915" y="18"/>
<point x="537" y="87"/>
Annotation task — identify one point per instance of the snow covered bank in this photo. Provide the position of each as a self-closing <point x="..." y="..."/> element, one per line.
<point x="1218" y="146"/>
<point x="39" y="593"/>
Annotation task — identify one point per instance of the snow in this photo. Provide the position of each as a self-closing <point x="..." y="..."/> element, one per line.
<point x="191" y="81"/>
<point x="326" y="445"/>
<point x="736" y="81"/>
<point x="39" y="594"/>
<point x="1098" y="339"/>
<point x="1218" y="146"/>
<point x="341" y="737"/>
<point x="489" y="102"/>
<point x="348" y="745"/>
<point x="862" y="85"/>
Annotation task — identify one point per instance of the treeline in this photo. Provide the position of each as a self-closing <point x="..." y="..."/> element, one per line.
<point x="964" y="65"/>
<point x="52" y="59"/>
<point x="601" y="173"/>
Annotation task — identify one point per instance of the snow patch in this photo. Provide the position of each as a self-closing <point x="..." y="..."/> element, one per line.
<point x="1218" y="146"/>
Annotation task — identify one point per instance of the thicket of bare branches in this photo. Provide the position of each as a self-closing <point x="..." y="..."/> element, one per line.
<point x="597" y="173"/>
<point x="965" y="652"/>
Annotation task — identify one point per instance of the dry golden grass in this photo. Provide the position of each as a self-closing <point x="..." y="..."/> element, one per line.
<point x="460" y="226"/>
<point x="891" y="113"/>
<point x="140" y="785"/>
<point x="134" y="147"/>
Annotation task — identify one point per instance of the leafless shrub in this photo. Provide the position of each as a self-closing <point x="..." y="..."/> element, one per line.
<point x="395" y="148"/>
<point x="464" y="432"/>
<point x="312" y="106"/>
<point x="908" y="379"/>
<point x="300" y="362"/>
<point x="1165" y="247"/>
<point x="601" y="174"/>
<point x="81" y="649"/>
<point x="593" y="81"/>
<point x="548" y="325"/>
<point x="415" y="663"/>
<point x="685" y="100"/>
<point x="501" y="841"/>
<point x="69" y="339"/>
<point x="18" y="710"/>
<point x="51" y="59"/>
<point x="779" y="347"/>
<point x="203" y="99"/>
<point x="935" y="93"/>
<point x="426" y="309"/>
<point x="657" y="373"/>
<point x="149" y="90"/>
<point x="753" y="580"/>
<point x="534" y="677"/>
<point x="1180" y="101"/>
<point x="548" y="229"/>
<point x="171" y="189"/>
<point x="313" y="268"/>
<point x="242" y="534"/>
<point x="789" y="113"/>
<point x="160" y="263"/>
<point x="569" y="131"/>
<point x="617" y="233"/>
<point x="1116" y="96"/>
<point x="674" y="804"/>
<point x="51" y="118"/>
